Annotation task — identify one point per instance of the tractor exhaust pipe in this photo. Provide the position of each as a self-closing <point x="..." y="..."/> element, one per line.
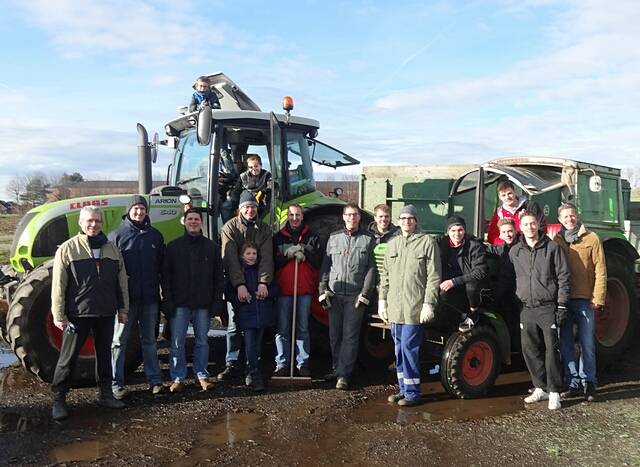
<point x="144" y="161"/>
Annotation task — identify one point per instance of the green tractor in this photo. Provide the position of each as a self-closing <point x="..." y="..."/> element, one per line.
<point x="469" y="363"/>
<point x="208" y="147"/>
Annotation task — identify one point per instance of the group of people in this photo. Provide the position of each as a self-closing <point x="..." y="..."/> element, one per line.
<point x="108" y="286"/>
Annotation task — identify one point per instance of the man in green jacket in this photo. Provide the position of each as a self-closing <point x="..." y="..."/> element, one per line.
<point x="408" y="294"/>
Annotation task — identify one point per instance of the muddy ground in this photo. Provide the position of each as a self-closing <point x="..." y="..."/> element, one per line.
<point x="322" y="426"/>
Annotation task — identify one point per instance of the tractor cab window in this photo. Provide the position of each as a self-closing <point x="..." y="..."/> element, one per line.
<point x="299" y="173"/>
<point x="599" y="206"/>
<point x="193" y="167"/>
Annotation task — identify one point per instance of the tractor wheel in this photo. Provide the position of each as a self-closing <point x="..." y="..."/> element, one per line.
<point x="36" y="341"/>
<point x="471" y="363"/>
<point x="616" y="323"/>
<point x="377" y="349"/>
<point x="3" y="321"/>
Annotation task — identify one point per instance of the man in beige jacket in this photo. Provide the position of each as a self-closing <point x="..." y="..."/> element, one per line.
<point x="409" y="283"/>
<point x="585" y="256"/>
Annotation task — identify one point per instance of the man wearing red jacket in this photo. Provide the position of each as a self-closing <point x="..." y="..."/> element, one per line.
<point x="295" y="242"/>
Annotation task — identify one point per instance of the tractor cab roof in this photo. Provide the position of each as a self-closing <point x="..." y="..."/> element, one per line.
<point x="235" y="106"/>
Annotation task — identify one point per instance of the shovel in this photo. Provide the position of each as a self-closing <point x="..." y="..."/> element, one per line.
<point x="292" y="380"/>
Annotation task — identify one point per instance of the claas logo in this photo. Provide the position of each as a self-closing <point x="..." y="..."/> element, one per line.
<point x="95" y="202"/>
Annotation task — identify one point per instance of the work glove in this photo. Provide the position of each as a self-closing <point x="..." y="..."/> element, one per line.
<point x="561" y="315"/>
<point x="382" y="310"/>
<point x="361" y="301"/>
<point x="325" y="299"/>
<point x="299" y="255"/>
<point x="292" y="250"/>
<point x="426" y="313"/>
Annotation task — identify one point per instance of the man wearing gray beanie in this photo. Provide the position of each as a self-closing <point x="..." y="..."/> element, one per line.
<point x="409" y="283"/>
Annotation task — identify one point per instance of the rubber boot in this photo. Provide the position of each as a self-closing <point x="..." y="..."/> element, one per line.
<point x="59" y="411"/>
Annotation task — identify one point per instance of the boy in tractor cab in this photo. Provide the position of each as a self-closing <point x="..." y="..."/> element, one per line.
<point x="464" y="271"/>
<point x="511" y="208"/>
<point x="254" y="180"/>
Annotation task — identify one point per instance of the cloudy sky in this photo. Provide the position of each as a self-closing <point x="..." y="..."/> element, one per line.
<point x="424" y="82"/>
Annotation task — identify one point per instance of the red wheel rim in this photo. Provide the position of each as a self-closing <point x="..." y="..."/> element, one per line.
<point x="477" y="363"/>
<point x="613" y="319"/>
<point x="55" y="338"/>
<point x="318" y="312"/>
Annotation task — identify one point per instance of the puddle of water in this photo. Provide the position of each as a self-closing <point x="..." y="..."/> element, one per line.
<point x="79" y="452"/>
<point x="505" y="398"/>
<point x="7" y="357"/>
<point x="227" y="430"/>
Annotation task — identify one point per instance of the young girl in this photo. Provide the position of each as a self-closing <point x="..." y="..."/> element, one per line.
<point x="253" y="315"/>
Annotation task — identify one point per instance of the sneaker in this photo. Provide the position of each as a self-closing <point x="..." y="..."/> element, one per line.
<point x="330" y="376"/>
<point x="205" y="384"/>
<point x="176" y="386"/>
<point x="282" y="371"/>
<point x="342" y="383"/>
<point x="248" y="380"/>
<point x="466" y="325"/>
<point x="227" y="373"/>
<point x="59" y="411"/>
<point x="157" y="389"/>
<point x="537" y="396"/>
<point x="571" y="392"/>
<point x="395" y="397"/>
<point x="111" y="403"/>
<point x="554" y="401"/>
<point x="304" y="372"/>
<point x="120" y="393"/>
<point x="408" y="402"/>
<point x="590" y="392"/>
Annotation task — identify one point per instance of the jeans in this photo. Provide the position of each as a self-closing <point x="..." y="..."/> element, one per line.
<point x="147" y="318"/>
<point x="234" y="339"/>
<point x="252" y="343"/>
<point x="407" y="339"/>
<point x="584" y="371"/>
<point x="179" y="325"/>
<point x="283" y="336"/>
<point x="345" y="321"/>
<point x="73" y="339"/>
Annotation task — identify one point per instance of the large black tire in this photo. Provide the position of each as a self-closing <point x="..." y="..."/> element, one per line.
<point x="33" y="338"/>
<point x="3" y="323"/>
<point x="471" y="362"/>
<point x="616" y="323"/>
<point x="377" y="349"/>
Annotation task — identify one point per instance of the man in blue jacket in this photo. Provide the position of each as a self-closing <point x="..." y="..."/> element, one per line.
<point x="142" y="247"/>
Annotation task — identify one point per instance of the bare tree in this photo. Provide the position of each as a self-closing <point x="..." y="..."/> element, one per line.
<point x="16" y="187"/>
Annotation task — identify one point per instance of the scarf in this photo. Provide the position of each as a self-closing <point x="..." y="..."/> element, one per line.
<point x="570" y="236"/>
<point x="96" y="242"/>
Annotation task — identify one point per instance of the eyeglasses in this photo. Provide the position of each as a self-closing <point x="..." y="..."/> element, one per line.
<point x="407" y="219"/>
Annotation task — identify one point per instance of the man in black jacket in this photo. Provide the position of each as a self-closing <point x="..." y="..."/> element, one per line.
<point x="89" y="286"/>
<point x="192" y="286"/>
<point x="142" y="248"/>
<point x="542" y="285"/>
<point x="464" y="270"/>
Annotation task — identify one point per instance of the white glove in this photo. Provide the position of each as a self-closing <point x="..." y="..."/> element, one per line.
<point x="382" y="310"/>
<point x="426" y="314"/>
<point x="299" y="255"/>
<point x="292" y="250"/>
<point x="361" y="300"/>
<point x="325" y="299"/>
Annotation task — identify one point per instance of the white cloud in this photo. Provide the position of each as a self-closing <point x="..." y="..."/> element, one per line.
<point x="143" y="31"/>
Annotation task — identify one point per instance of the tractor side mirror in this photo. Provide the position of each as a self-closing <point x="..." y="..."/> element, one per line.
<point x="204" y="125"/>
<point x="595" y="184"/>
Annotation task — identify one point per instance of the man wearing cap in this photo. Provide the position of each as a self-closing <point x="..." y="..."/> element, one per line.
<point x="409" y="283"/>
<point x="192" y="285"/>
<point x="464" y="269"/>
<point x="246" y="226"/>
<point x="347" y="279"/>
<point x="142" y="248"/>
